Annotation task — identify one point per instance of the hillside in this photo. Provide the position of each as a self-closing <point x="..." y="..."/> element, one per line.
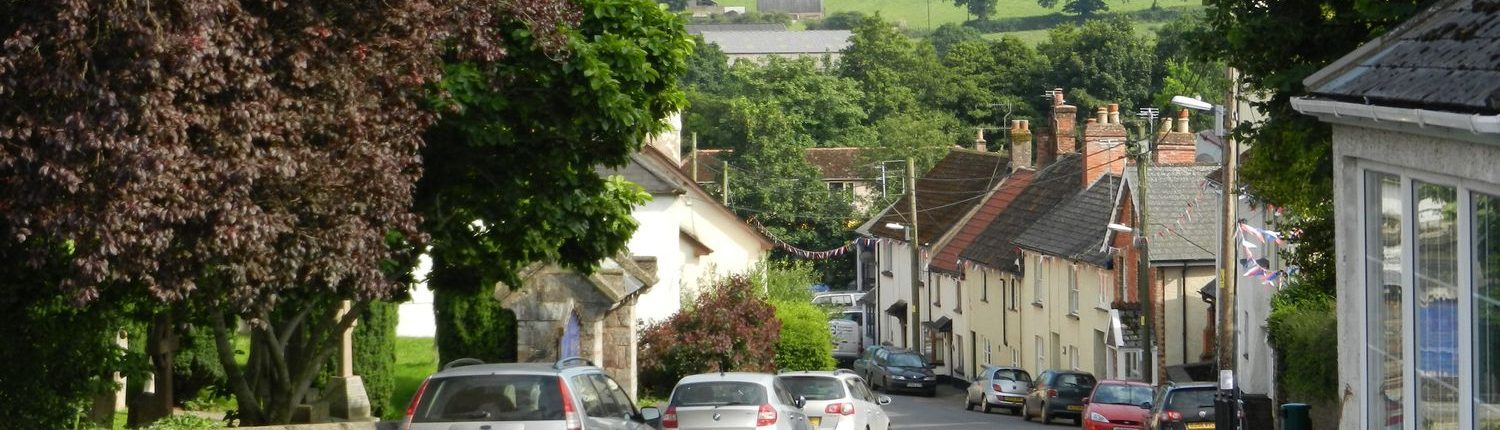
<point x="913" y="14"/>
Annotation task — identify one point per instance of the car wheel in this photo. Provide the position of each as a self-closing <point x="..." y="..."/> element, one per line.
<point x="1046" y="416"/>
<point x="986" y="407"/>
<point x="968" y="406"/>
<point x="1026" y="411"/>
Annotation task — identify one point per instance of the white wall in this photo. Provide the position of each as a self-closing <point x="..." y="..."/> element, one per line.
<point x="657" y="236"/>
<point x="415" y="317"/>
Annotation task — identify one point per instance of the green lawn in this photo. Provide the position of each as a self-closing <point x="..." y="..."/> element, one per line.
<point x="915" y="14"/>
<point x="1035" y="37"/>
<point x="416" y="358"/>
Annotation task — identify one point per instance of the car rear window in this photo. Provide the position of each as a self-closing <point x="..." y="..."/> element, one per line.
<point x="1076" y="380"/>
<point x="719" y="393"/>
<point x="1012" y="375"/>
<point x="490" y="398"/>
<point x="1121" y="394"/>
<point x="814" y="387"/>
<point x="1198" y="398"/>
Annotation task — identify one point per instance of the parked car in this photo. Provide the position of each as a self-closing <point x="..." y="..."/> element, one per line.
<point x="1058" y="394"/>
<point x="1184" y="407"/>
<point x="862" y="364"/>
<point x="847" y="339"/>
<point x="733" y="400"/>
<point x="1117" y="405"/>
<point x="895" y="370"/>
<point x="569" y="394"/>
<point x="838" y="400"/>
<point x="998" y="387"/>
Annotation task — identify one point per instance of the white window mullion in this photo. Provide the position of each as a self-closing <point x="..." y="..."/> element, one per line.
<point x="1465" y="280"/>
<point x="1361" y="299"/>
<point x="1408" y="307"/>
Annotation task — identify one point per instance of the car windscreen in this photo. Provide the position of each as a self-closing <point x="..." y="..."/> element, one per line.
<point x="814" y="387"/>
<point x="719" y="393"/>
<point x="490" y="398"/>
<point x="1117" y="394"/>
<point x="1187" y="399"/>
<point x="1068" y="380"/>
<point x="1012" y="375"/>
<point x="905" y="360"/>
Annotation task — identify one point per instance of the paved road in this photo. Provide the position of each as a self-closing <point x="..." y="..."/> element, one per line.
<point x="945" y="411"/>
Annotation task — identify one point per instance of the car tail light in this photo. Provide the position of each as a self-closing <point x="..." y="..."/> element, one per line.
<point x="766" y="417"/>
<point x="1051" y="393"/>
<point x="997" y="388"/>
<point x="570" y="414"/>
<point x="669" y="418"/>
<point x="411" y="408"/>
<point x="1173" y="416"/>
<point x="839" y="409"/>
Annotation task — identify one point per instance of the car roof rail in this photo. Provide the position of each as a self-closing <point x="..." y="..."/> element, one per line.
<point x="569" y="362"/>
<point x="844" y="372"/>
<point x="466" y="361"/>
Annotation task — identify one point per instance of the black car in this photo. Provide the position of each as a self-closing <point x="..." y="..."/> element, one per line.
<point x="1058" y="394"/>
<point x="1184" y="407"/>
<point x="893" y="370"/>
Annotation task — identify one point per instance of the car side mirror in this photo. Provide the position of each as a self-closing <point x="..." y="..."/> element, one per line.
<point x="1146" y="405"/>
<point x="799" y="402"/>
<point x="1085" y="400"/>
<point x="650" y="415"/>
<point x="883" y="400"/>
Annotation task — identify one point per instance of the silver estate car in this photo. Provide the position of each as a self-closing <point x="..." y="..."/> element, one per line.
<point x="998" y="387"/>
<point x="733" y="400"/>
<point x="571" y="394"/>
<point x="838" y="400"/>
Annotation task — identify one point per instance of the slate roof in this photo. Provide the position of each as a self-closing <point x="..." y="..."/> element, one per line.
<point x="947" y="257"/>
<point x="1049" y="187"/>
<point x="953" y="187"/>
<point x="700" y="28"/>
<point x="1076" y="229"/>
<point x="789" y="6"/>
<point x="833" y="164"/>
<point x="1446" y="58"/>
<point x="779" y="42"/>
<point x="1169" y="189"/>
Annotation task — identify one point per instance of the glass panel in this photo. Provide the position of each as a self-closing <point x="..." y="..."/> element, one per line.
<point x="1486" y="311"/>
<point x="1383" y="289"/>
<point x="1436" y="299"/>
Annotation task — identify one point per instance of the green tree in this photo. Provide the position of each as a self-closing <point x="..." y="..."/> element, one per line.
<point x="1085" y="8"/>
<point x="1184" y="69"/>
<point x="1102" y="61"/>
<point x="1275" y="46"/>
<point x="880" y="60"/>
<point x="841" y="20"/>
<point x="947" y="35"/>
<point x="925" y="135"/>
<point x="982" y="9"/>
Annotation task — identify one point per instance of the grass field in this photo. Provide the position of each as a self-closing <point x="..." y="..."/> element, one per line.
<point x="1034" y="37"/>
<point x="914" y="14"/>
<point x="416" y="358"/>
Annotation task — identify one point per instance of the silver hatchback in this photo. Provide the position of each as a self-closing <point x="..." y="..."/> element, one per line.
<point x="571" y="394"/>
<point x="733" y="400"/>
<point x="998" y="387"/>
<point x="838" y="400"/>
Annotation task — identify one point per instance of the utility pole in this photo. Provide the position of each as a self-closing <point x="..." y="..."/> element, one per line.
<point x="724" y="187"/>
<point x="916" y="256"/>
<point x="694" y="154"/>
<point x="1228" y="270"/>
<point x="1143" y="265"/>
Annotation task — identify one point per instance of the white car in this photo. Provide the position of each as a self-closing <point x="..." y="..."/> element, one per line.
<point x="840" y="298"/>
<point x="838" y="400"/>
<point x="733" y="400"/>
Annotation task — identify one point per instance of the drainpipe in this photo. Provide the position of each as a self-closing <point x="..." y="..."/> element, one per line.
<point x="1182" y="298"/>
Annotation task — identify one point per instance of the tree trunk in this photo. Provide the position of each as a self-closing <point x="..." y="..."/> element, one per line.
<point x="161" y="346"/>
<point x="285" y="359"/>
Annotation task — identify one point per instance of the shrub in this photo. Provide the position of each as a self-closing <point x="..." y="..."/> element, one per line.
<point x="730" y="326"/>
<point x="375" y="354"/>
<point x="473" y="324"/>
<point x="197" y="373"/>
<point x="806" y="343"/>
<point x="1302" y="323"/>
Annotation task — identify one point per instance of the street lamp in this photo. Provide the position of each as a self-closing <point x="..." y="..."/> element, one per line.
<point x="1200" y="105"/>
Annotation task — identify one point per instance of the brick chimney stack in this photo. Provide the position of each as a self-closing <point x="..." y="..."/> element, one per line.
<point x="1103" y="145"/>
<point x="979" y="143"/>
<point x="1064" y="131"/>
<point x="1179" y="146"/>
<point x="1020" y="144"/>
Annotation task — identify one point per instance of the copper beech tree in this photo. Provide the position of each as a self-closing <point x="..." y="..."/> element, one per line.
<point x="235" y="158"/>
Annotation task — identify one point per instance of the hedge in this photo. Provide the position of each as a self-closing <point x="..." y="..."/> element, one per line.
<point x="806" y="343"/>
<point x="1302" y="323"/>
<point x="473" y="324"/>
<point x="375" y="354"/>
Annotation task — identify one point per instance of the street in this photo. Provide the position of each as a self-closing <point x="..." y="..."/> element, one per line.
<point x="946" y="411"/>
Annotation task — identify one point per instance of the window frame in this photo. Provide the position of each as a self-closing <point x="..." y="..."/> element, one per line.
<point x="1038" y="291"/>
<point x="1073" y="290"/>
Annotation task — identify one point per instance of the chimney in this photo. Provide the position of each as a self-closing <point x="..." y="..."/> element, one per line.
<point x="1114" y="113"/>
<point x="1103" y="146"/>
<point x="1064" y="128"/>
<point x="979" y="143"/>
<point x="1179" y="146"/>
<point x="1045" y="149"/>
<point x="1020" y="145"/>
<point x="669" y="141"/>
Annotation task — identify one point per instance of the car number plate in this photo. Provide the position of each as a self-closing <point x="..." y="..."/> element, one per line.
<point x="1013" y="399"/>
<point x="914" y="384"/>
<point x="1200" y="426"/>
<point x="815" y="421"/>
<point x="1075" y="407"/>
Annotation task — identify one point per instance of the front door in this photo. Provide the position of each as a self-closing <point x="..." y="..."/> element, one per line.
<point x="570" y="346"/>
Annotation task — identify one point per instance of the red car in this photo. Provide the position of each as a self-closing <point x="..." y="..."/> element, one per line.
<point x="1117" y="405"/>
